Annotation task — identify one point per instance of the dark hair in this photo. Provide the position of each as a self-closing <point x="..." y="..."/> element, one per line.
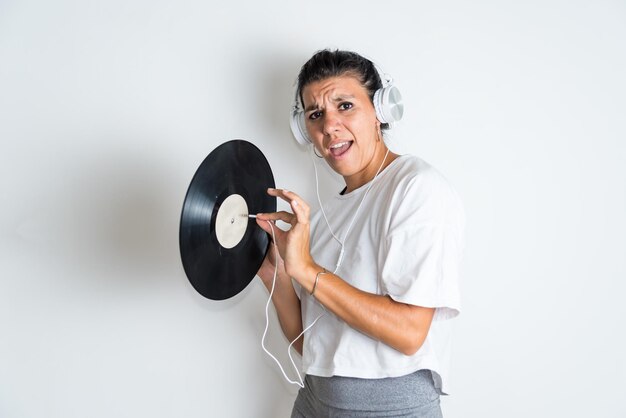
<point x="326" y="63"/>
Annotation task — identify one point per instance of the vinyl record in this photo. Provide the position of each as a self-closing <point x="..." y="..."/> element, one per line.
<point x="220" y="246"/>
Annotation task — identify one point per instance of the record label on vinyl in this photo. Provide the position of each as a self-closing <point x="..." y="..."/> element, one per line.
<point x="221" y="247"/>
<point x="232" y="221"/>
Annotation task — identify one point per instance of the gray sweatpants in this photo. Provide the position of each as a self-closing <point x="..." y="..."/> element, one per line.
<point x="413" y="395"/>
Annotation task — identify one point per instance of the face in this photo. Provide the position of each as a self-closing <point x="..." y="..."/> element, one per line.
<point x="341" y="121"/>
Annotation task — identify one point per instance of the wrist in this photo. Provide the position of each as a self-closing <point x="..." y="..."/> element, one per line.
<point x="266" y="273"/>
<point x="305" y="275"/>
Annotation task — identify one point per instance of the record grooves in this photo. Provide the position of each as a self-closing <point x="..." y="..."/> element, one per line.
<point x="220" y="247"/>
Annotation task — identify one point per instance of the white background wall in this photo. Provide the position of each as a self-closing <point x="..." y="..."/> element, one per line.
<point x="107" y="109"/>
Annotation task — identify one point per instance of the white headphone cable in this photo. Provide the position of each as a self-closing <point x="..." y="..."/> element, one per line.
<point x="300" y="382"/>
<point x="345" y="237"/>
<point x="267" y="320"/>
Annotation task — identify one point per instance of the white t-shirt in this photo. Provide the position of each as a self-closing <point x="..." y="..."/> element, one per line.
<point x="406" y="242"/>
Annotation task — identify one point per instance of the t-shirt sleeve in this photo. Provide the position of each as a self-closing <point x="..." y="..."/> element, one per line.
<point x="424" y="245"/>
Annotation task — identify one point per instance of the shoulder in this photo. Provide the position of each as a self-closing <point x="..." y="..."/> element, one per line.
<point x="423" y="193"/>
<point x="413" y="175"/>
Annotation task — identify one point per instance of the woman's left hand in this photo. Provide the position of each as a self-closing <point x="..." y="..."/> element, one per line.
<point x="293" y="244"/>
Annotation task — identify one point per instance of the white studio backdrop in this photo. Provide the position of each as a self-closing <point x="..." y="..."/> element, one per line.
<point x="107" y="109"/>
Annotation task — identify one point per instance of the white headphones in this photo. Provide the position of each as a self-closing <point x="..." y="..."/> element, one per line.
<point x="387" y="102"/>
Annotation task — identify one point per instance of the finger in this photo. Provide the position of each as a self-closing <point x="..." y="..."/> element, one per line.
<point x="276" y="216"/>
<point x="265" y="225"/>
<point x="301" y="211"/>
<point x="299" y="206"/>
<point x="286" y="195"/>
<point x="291" y="198"/>
<point x="280" y="193"/>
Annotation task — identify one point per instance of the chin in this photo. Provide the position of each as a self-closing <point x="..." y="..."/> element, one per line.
<point x="342" y="170"/>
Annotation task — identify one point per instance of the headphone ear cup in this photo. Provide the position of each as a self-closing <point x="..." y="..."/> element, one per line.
<point x="388" y="104"/>
<point x="298" y="127"/>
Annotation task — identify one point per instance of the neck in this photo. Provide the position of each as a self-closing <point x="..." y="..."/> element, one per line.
<point x="382" y="158"/>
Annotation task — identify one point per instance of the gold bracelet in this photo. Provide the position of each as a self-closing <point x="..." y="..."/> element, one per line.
<point x="317" y="278"/>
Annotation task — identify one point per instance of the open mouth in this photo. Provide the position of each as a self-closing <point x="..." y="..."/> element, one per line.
<point x="340" y="148"/>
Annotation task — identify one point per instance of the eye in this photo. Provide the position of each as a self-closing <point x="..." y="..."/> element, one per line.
<point x="315" y="115"/>
<point x="345" y="106"/>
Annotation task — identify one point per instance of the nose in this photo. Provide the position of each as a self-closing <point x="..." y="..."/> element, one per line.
<point x="332" y="123"/>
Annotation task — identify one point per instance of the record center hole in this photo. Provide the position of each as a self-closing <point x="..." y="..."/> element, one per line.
<point x="230" y="226"/>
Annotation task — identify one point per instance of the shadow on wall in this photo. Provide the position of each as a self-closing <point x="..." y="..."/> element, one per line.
<point x="276" y="75"/>
<point x="108" y="216"/>
<point x="274" y="79"/>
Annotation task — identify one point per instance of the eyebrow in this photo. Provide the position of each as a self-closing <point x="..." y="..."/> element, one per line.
<point x="336" y="100"/>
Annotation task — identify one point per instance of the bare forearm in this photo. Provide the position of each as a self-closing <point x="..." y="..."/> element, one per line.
<point x="401" y="326"/>
<point x="287" y="305"/>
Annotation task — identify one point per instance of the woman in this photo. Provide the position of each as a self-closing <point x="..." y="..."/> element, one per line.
<point x="378" y="266"/>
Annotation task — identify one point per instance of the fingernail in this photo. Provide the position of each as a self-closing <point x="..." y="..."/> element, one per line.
<point x="294" y="202"/>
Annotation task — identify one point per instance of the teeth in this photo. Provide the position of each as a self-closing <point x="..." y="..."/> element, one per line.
<point x="339" y="145"/>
